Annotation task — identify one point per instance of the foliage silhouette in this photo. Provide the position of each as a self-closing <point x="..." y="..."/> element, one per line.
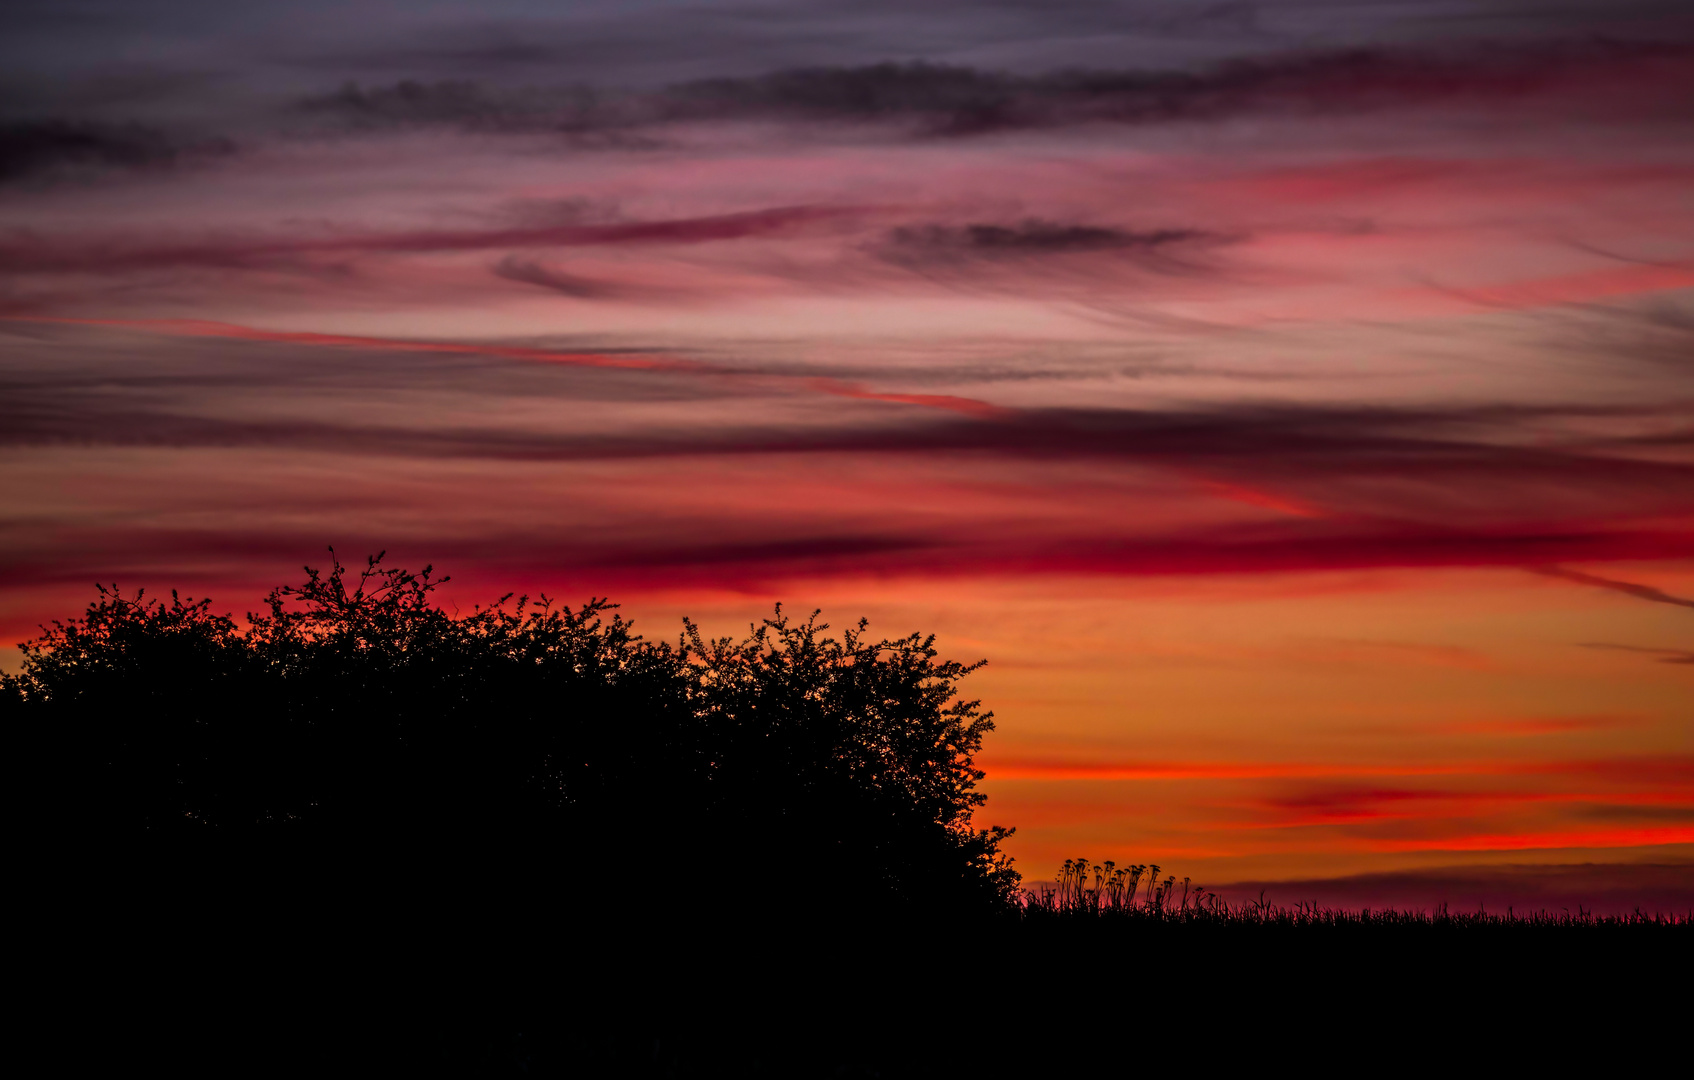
<point x="354" y="713"/>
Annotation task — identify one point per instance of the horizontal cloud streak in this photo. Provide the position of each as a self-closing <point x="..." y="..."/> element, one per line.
<point x="948" y="100"/>
<point x="530" y="272"/>
<point x="970" y="248"/>
<point x="1628" y="588"/>
<point x="118" y="255"/>
<point x="762" y="564"/>
<point x="1033" y="238"/>
<point x="1663" y="656"/>
<point x="1483" y="448"/>
<point x="629" y="361"/>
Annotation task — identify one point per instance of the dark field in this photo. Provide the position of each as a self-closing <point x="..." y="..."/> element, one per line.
<point x="487" y="967"/>
<point x="1597" y="888"/>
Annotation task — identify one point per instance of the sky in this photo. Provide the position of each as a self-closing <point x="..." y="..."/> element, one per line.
<point x="1292" y="401"/>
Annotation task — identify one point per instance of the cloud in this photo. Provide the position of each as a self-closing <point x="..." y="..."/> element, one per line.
<point x="727" y="551"/>
<point x="1259" y="446"/>
<point x="632" y="43"/>
<point x="1228" y="489"/>
<point x="956" y="100"/>
<point x="530" y="272"/>
<point x="622" y="360"/>
<point x="227" y="64"/>
<point x="455" y="102"/>
<point x="1628" y="588"/>
<point x="1500" y="463"/>
<point x="584" y="116"/>
<point x="1642" y="797"/>
<point x="1034" y="238"/>
<point x="58" y="149"/>
<point x="948" y="100"/>
<point x="951" y="100"/>
<point x="1352" y="804"/>
<point x="1664" y="656"/>
<point x="25" y="253"/>
<point x="1035" y="256"/>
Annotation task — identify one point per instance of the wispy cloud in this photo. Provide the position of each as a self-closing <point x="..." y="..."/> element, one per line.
<point x="532" y="272"/>
<point x="1628" y="588"/>
<point x="1281" y="456"/>
<point x="956" y="247"/>
<point x="654" y="562"/>
<point x="1663" y="656"/>
<point x="117" y="254"/>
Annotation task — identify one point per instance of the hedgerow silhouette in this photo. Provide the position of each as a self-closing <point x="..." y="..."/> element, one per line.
<point x="353" y="715"/>
<point x="353" y="710"/>
<point x="507" y="843"/>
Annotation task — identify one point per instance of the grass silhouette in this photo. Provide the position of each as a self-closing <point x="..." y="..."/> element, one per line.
<point x="1085" y="890"/>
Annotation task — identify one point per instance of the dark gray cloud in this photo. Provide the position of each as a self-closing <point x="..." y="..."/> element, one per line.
<point x="461" y="103"/>
<point x="1035" y="237"/>
<point x="943" y="248"/>
<point x="950" y="100"/>
<point x="645" y="42"/>
<point x="109" y="58"/>
<point x="962" y="101"/>
<point x="529" y="76"/>
<point x="57" y="149"/>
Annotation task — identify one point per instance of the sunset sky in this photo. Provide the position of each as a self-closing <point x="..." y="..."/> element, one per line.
<point x="1292" y="401"/>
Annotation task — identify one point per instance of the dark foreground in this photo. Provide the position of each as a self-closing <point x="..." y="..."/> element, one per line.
<point x="488" y="967"/>
<point x="361" y="835"/>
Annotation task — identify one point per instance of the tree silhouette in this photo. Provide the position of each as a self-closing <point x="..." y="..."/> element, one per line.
<point x="354" y="714"/>
<point x="852" y="749"/>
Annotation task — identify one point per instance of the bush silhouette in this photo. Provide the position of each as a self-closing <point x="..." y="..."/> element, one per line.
<point x="355" y="715"/>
